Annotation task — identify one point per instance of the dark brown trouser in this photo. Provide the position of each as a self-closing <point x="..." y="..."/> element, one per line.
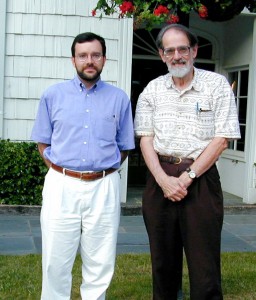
<point x="194" y="223"/>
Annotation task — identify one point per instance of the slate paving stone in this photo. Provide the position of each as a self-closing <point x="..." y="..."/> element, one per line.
<point x="233" y="243"/>
<point x="14" y="227"/>
<point x="21" y="234"/>
<point x="17" y="245"/>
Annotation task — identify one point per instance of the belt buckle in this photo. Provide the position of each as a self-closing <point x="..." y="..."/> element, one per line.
<point x="178" y="160"/>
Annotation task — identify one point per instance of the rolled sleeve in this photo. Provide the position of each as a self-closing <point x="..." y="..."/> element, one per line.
<point x="125" y="135"/>
<point x="143" y="123"/>
<point x="226" y="119"/>
<point x="42" y="130"/>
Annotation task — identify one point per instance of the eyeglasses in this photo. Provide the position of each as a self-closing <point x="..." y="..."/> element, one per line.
<point x="94" y="57"/>
<point x="182" y="50"/>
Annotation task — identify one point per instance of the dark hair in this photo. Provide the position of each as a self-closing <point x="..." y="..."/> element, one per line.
<point x="88" y="37"/>
<point x="190" y="35"/>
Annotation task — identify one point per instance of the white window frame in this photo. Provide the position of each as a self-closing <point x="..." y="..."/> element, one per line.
<point x="238" y="155"/>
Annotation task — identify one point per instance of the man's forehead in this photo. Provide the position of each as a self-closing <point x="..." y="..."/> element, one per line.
<point x="173" y="34"/>
<point x="95" y="45"/>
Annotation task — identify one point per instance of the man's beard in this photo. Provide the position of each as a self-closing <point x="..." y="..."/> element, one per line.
<point x="180" y="71"/>
<point x="88" y="77"/>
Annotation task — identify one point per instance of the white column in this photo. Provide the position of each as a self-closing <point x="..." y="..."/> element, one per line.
<point x="250" y="167"/>
<point x="2" y="59"/>
<point x="124" y="80"/>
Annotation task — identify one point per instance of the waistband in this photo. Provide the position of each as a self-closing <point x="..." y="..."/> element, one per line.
<point x="82" y="175"/>
<point x="175" y="160"/>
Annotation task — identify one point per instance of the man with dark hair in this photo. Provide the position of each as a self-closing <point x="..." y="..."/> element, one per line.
<point x="84" y="130"/>
<point x="185" y="119"/>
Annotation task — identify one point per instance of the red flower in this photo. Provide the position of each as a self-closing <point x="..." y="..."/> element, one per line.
<point x="203" y="12"/>
<point x="94" y="12"/>
<point x="161" y="10"/>
<point x="173" y="19"/>
<point x="126" y="7"/>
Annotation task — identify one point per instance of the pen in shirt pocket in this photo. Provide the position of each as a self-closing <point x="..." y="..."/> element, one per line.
<point x="200" y="109"/>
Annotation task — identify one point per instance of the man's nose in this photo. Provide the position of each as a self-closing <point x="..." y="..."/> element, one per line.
<point x="176" y="55"/>
<point x="89" y="59"/>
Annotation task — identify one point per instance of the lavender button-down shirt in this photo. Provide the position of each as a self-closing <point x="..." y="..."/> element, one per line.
<point x="86" y="129"/>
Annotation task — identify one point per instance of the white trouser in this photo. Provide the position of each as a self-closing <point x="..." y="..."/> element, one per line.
<point x="74" y="213"/>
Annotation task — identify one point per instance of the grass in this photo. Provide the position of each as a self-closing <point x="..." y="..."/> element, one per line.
<point x="20" y="277"/>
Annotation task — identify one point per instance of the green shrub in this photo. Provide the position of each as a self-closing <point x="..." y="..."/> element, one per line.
<point x="22" y="172"/>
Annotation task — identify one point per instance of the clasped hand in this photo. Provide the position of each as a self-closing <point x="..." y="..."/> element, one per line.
<point x="175" y="188"/>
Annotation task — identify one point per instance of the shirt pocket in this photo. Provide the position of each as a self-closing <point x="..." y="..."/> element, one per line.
<point x="105" y="128"/>
<point x="205" y="124"/>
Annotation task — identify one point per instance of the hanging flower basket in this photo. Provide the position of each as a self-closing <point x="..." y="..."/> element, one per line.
<point x="220" y="11"/>
<point x="148" y="14"/>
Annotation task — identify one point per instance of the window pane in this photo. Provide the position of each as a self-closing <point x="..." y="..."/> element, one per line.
<point x="204" y="48"/>
<point x="205" y="66"/>
<point x="244" y="83"/>
<point x="233" y="80"/>
<point x="241" y="142"/>
<point x="231" y="145"/>
<point x="144" y="44"/>
<point x="242" y="110"/>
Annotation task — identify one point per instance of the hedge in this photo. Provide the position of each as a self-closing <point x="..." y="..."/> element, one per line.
<point x="22" y="173"/>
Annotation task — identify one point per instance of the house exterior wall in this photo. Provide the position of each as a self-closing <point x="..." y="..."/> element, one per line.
<point x="2" y="60"/>
<point x="39" y="35"/>
<point x="36" y="37"/>
<point x="240" y="43"/>
<point x="211" y="31"/>
<point x="239" y="167"/>
<point x="235" y="41"/>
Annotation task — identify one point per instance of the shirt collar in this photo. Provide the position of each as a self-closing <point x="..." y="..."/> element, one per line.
<point x="80" y="86"/>
<point x="195" y="83"/>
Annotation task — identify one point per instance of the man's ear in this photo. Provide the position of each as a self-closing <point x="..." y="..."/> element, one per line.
<point x="161" y="53"/>
<point x="194" y="51"/>
<point x="73" y="61"/>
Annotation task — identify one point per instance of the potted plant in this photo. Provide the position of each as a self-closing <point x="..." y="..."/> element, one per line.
<point x="148" y="14"/>
<point x="223" y="10"/>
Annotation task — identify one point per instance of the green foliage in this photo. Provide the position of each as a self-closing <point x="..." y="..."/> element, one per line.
<point x="147" y="14"/>
<point x="20" y="277"/>
<point x="251" y="5"/>
<point x="22" y="172"/>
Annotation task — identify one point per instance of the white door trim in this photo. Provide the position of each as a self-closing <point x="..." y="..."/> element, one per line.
<point x="2" y="60"/>
<point x="250" y="168"/>
<point x="124" y="81"/>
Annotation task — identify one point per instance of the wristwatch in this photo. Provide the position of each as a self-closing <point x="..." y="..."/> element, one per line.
<point x="191" y="173"/>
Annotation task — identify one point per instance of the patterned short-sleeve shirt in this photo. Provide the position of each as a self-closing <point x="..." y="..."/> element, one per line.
<point x="184" y="122"/>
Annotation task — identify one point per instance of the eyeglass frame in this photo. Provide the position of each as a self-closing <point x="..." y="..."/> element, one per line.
<point x="179" y="49"/>
<point x="95" y="57"/>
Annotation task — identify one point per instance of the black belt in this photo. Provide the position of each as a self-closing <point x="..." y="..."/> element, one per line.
<point x="82" y="175"/>
<point x="175" y="160"/>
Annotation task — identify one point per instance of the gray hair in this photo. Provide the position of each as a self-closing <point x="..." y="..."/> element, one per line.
<point x="193" y="41"/>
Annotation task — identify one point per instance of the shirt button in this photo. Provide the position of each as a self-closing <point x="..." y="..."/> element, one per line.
<point x="85" y="143"/>
<point x="87" y="110"/>
<point x="86" y="126"/>
<point x="83" y="159"/>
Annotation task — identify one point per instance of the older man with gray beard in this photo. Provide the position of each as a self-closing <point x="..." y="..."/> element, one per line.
<point x="184" y="119"/>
